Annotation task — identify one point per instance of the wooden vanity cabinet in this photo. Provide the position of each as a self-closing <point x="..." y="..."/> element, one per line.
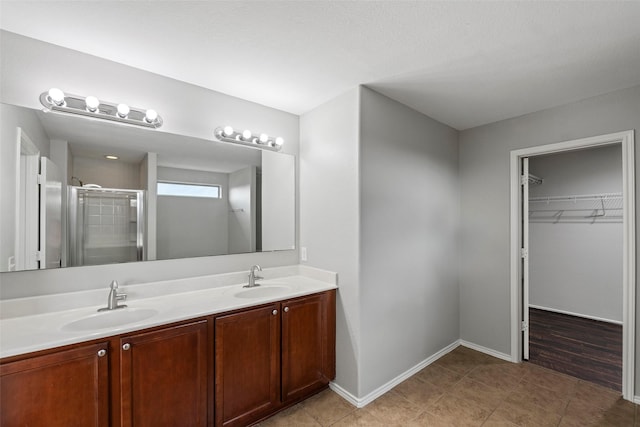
<point x="247" y="365"/>
<point x="272" y="356"/>
<point x="232" y="369"/>
<point x="308" y="344"/>
<point x="65" y="388"/>
<point x="164" y="378"/>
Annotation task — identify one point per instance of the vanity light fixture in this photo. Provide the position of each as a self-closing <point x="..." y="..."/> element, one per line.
<point x="111" y="157"/>
<point x="90" y="106"/>
<point x="246" y="137"/>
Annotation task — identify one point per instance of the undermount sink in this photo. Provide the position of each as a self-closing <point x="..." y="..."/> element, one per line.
<point x="263" y="291"/>
<point x="110" y="319"/>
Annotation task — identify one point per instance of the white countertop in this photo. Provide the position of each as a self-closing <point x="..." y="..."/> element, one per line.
<point x="38" y="323"/>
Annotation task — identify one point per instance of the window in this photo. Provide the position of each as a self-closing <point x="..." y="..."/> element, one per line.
<point x="189" y="190"/>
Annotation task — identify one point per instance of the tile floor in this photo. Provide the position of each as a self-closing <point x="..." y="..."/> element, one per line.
<point x="468" y="388"/>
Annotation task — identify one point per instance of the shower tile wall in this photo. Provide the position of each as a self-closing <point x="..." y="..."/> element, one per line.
<point x="110" y="233"/>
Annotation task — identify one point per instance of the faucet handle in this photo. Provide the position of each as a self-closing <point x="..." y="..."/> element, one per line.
<point x="114" y="284"/>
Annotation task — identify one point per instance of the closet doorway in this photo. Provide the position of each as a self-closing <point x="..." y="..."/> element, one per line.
<point x="573" y="259"/>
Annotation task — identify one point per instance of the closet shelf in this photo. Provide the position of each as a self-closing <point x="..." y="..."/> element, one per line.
<point x="591" y="208"/>
<point x="575" y="198"/>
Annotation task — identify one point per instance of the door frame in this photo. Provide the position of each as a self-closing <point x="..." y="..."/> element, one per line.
<point x="626" y="139"/>
<point x="26" y="211"/>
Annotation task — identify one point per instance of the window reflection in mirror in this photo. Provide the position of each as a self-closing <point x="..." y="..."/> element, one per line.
<point x="141" y="206"/>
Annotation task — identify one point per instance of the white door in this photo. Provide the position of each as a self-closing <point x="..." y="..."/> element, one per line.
<point x="524" y="253"/>
<point x="50" y="214"/>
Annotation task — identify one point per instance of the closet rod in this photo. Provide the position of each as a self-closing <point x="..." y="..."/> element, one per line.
<point x="602" y="196"/>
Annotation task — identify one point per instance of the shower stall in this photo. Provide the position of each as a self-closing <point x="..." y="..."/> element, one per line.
<point x="106" y="225"/>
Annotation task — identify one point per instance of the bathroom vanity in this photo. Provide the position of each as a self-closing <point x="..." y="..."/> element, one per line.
<point x="255" y="352"/>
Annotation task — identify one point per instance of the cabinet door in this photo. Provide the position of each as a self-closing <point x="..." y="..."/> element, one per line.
<point x="308" y="344"/>
<point x="67" y="388"/>
<point x="163" y="377"/>
<point x="247" y="348"/>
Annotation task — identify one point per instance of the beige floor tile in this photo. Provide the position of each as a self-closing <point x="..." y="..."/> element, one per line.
<point x="621" y="412"/>
<point x="458" y="362"/>
<point x="421" y="393"/>
<point x="438" y="376"/>
<point x="427" y="419"/>
<point x="466" y="388"/>
<point x="595" y="395"/>
<point x="551" y="380"/>
<point x="393" y="409"/>
<point x="549" y="399"/>
<point x="459" y="411"/>
<point x="294" y="416"/>
<point x="495" y="376"/>
<point x="496" y="420"/>
<point x="526" y="414"/>
<point x="470" y="353"/>
<point x="484" y="395"/>
<point x="327" y="407"/>
<point x="359" y="418"/>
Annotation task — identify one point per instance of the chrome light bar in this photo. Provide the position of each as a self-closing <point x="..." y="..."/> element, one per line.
<point x="90" y="106"/>
<point x="263" y="141"/>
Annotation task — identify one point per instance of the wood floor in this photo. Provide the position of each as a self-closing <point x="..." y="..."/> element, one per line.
<point x="587" y="349"/>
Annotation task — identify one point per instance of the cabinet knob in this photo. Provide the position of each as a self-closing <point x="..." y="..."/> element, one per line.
<point x="126" y="346"/>
<point x="102" y="352"/>
<point x="286" y="309"/>
<point x="274" y="312"/>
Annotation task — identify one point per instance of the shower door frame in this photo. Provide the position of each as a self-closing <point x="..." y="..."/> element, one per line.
<point x="72" y="221"/>
<point x="626" y="139"/>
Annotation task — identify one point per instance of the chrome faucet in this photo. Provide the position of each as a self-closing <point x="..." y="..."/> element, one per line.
<point x="252" y="277"/>
<point x="114" y="297"/>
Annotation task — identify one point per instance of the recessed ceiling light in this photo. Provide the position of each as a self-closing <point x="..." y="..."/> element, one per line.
<point x="111" y="157"/>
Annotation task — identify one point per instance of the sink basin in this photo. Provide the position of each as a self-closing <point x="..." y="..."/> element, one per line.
<point x="262" y="291"/>
<point x="110" y="319"/>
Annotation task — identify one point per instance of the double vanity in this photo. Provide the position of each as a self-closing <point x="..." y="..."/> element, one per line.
<point x="202" y="351"/>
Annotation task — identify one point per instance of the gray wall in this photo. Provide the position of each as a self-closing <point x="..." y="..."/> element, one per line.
<point x="106" y="173"/>
<point x="330" y="215"/>
<point x="25" y="66"/>
<point x="192" y="226"/>
<point x="379" y="205"/>
<point x="484" y="182"/>
<point x="242" y="210"/>
<point x="575" y="264"/>
<point x="409" y="217"/>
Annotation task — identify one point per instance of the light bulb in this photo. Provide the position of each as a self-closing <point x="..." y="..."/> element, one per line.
<point x="92" y="103"/>
<point x="264" y="138"/>
<point x="246" y="134"/>
<point x="56" y="96"/>
<point x="279" y="142"/>
<point x="150" y="116"/>
<point x="227" y="131"/>
<point x="123" y="110"/>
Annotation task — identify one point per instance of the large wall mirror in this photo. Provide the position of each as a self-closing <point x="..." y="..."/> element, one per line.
<point x="78" y="191"/>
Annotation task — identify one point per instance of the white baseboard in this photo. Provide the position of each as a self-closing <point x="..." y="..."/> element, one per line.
<point x="586" y="316"/>
<point x="636" y="400"/>
<point x="345" y="394"/>
<point x="363" y="401"/>
<point x="485" y="350"/>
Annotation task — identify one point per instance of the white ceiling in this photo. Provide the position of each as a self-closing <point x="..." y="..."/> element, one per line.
<point x="462" y="63"/>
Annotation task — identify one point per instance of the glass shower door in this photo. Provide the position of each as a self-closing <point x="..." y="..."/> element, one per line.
<point x="105" y="226"/>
